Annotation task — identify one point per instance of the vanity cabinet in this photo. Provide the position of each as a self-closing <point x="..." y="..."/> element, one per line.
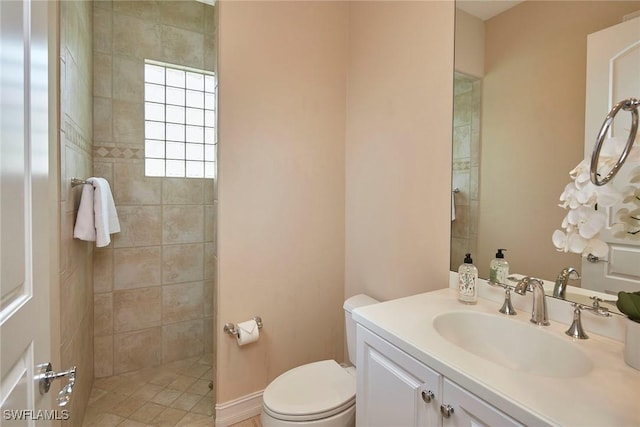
<point x="471" y="411"/>
<point x="394" y="389"/>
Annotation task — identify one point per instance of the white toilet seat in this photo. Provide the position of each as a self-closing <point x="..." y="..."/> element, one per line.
<point x="310" y="392"/>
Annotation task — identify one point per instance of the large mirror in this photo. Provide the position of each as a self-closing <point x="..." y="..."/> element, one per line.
<point x="519" y="125"/>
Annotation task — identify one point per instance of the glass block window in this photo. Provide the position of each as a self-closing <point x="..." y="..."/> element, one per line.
<point x="180" y="121"/>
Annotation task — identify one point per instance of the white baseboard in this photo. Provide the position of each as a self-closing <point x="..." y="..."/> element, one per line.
<point x="239" y="409"/>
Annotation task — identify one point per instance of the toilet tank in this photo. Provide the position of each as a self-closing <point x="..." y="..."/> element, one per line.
<point x="355" y="301"/>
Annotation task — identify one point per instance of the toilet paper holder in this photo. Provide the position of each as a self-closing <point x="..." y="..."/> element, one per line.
<point x="231" y="329"/>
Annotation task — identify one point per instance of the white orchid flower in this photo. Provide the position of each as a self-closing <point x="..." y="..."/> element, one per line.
<point x="568" y="197"/>
<point x="631" y="195"/>
<point x="619" y="230"/>
<point x="576" y="243"/>
<point x="580" y="245"/>
<point x="586" y="204"/>
<point x="596" y="247"/>
<point x="621" y="214"/>
<point x="634" y="175"/>
<point x="587" y="195"/>
<point x="560" y="240"/>
<point x="607" y="196"/>
<point x="581" y="173"/>
<point x="589" y="222"/>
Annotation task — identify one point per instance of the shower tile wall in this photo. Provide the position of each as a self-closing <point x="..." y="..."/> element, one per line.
<point x="154" y="284"/>
<point x="75" y="269"/>
<point x="466" y="157"/>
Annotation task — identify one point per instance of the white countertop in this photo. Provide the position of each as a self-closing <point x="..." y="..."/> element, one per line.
<point x="609" y="395"/>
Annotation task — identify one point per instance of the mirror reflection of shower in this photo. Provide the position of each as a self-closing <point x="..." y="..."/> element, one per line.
<point x="466" y="167"/>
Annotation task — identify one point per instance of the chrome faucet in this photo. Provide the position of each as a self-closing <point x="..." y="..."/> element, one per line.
<point x="576" y="330"/>
<point x="560" y="288"/>
<point x="539" y="311"/>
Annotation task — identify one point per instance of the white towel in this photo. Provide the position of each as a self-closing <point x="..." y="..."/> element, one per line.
<point x="85" y="228"/>
<point x="97" y="217"/>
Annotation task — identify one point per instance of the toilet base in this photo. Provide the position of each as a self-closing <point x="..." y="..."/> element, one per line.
<point x="345" y="418"/>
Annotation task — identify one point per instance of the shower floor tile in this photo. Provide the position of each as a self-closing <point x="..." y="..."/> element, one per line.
<point x="175" y="394"/>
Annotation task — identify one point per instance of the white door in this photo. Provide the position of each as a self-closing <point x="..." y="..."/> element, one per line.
<point x="24" y="203"/>
<point x="613" y="74"/>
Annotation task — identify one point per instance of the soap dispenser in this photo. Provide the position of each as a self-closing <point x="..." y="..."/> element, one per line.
<point x="467" y="278"/>
<point x="499" y="269"/>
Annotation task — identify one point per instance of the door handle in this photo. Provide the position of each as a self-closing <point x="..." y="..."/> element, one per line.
<point x="45" y="377"/>
<point x="594" y="259"/>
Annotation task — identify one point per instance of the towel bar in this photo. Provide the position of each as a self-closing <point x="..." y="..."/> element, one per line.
<point x="76" y="181"/>
<point x="631" y="105"/>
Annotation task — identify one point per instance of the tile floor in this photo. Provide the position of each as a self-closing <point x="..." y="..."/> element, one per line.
<point x="175" y="394"/>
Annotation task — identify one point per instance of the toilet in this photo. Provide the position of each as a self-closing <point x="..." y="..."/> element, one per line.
<point x="318" y="394"/>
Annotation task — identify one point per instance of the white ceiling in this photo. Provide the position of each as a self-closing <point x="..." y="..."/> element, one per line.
<point x="486" y="9"/>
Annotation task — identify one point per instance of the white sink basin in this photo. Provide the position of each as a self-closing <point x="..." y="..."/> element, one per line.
<point x="513" y="344"/>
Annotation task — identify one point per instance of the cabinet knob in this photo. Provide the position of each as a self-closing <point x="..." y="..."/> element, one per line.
<point x="446" y="410"/>
<point x="427" y="396"/>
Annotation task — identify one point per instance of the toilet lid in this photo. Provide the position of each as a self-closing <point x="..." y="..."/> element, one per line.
<point x="311" y="391"/>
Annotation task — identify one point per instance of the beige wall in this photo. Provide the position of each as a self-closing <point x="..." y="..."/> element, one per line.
<point x="316" y="98"/>
<point x="533" y="126"/>
<point x="469" y="52"/>
<point x="154" y="284"/>
<point x="398" y="147"/>
<point x="281" y="216"/>
<point x="75" y="269"/>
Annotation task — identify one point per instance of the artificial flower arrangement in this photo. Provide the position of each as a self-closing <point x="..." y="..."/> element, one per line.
<point x="587" y="202"/>
<point x="629" y="304"/>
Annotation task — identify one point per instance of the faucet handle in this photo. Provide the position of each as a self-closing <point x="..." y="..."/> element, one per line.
<point x="576" y="330"/>
<point x="596" y="309"/>
<point x="596" y="301"/>
<point x="507" y="308"/>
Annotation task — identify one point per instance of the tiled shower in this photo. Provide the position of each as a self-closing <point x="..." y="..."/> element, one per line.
<point x="153" y="286"/>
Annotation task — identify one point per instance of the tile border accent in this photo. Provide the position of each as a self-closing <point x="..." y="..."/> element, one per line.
<point x="102" y="152"/>
<point x="240" y="409"/>
<point x="74" y="135"/>
<point x="459" y="165"/>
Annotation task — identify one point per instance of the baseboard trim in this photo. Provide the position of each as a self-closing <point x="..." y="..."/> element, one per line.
<point x="239" y="409"/>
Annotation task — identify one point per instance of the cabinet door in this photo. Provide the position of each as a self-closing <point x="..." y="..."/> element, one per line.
<point x="471" y="411"/>
<point x="391" y="385"/>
